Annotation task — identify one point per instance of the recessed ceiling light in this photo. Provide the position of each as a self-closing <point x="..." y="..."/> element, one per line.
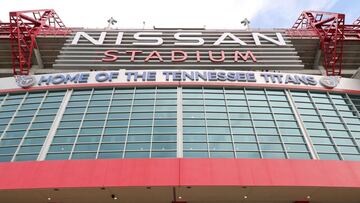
<point x="308" y="197"/>
<point x="114" y="197"/>
<point x="49" y="198"/>
<point x="245" y="196"/>
<point x="180" y="197"/>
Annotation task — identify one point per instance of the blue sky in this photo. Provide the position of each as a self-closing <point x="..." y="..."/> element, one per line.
<point x="183" y="13"/>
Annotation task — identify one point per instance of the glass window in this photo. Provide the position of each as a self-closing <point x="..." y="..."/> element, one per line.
<point x="113" y="147"/>
<point x="29" y="149"/>
<point x="64" y="139"/>
<point x="273" y="155"/>
<point x="296" y="148"/>
<point x="137" y="154"/>
<point x="325" y="148"/>
<point x="88" y="139"/>
<point x="5" y="158"/>
<point x="93" y="131"/>
<point x="247" y="154"/>
<point x="110" y="155"/>
<point x="195" y="146"/>
<point x="195" y="138"/>
<point x="215" y="154"/>
<point x="166" y="154"/>
<point x="329" y="156"/>
<point x="57" y="156"/>
<point x="29" y="141"/>
<point x="164" y="146"/>
<point x="139" y="138"/>
<point x="86" y="147"/>
<point x="194" y="154"/>
<point x="164" y="138"/>
<point x="114" y="138"/>
<point x="83" y="155"/>
<point x="246" y="147"/>
<point x="60" y="148"/>
<point x="26" y="157"/>
<point x="293" y="155"/>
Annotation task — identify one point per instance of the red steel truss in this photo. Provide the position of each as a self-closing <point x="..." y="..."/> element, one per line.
<point x="24" y="26"/>
<point x="331" y="30"/>
<point x="357" y="22"/>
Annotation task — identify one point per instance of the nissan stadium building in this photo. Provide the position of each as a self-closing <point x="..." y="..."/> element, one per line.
<point x="181" y="115"/>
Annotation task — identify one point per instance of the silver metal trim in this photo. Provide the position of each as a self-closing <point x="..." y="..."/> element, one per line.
<point x="179" y="123"/>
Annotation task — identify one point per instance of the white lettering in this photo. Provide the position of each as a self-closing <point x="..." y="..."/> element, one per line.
<point x="140" y="36"/>
<point x="183" y="39"/>
<point x="280" y="42"/>
<point x="181" y="36"/>
<point x="234" y="39"/>
<point x="100" y="41"/>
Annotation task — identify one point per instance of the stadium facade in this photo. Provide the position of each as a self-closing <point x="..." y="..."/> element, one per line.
<point x="179" y="115"/>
